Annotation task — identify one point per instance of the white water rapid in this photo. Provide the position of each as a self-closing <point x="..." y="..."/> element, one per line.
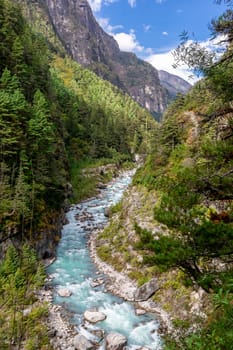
<point x="74" y="269"/>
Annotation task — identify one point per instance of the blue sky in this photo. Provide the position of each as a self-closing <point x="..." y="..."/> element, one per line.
<point x="151" y="28"/>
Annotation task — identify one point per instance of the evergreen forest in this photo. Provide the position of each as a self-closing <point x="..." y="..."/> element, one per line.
<point x="55" y="118"/>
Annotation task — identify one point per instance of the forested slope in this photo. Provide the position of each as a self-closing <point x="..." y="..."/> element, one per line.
<point x="53" y="117"/>
<point x="191" y="170"/>
<point x="53" y="113"/>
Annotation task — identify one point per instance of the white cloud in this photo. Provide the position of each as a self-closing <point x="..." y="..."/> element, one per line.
<point x="146" y="27"/>
<point x="218" y="44"/>
<point x="132" y="3"/>
<point x="97" y="4"/>
<point x="107" y="27"/>
<point x="164" y="61"/>
<point x="128" y="42"/>
<point x="165" y="33"/>
<point x="159" y="1"/>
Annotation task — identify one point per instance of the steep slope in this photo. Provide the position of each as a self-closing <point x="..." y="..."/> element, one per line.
<point x="173" y="83"/>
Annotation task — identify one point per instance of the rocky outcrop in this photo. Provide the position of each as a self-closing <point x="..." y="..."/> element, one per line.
<point x="46" y="240"/>
<point x="148" y="289"/>
<point x="115" y="341"/>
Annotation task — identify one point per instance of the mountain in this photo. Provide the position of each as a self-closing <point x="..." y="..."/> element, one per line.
<point x="173" y="83"/>
<point x="70" y="27"/>
<point x="90" y="46"/>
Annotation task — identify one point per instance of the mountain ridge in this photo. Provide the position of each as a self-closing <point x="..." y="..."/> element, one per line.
<point x="87" y="43"/>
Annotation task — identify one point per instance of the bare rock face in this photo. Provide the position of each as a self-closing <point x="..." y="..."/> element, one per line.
<point x="144" y="292"/>
<point x="94" y="316"/>
<point x="115" y="341"/>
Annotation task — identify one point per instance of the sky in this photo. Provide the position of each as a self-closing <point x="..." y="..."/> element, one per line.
<point x="152" y="28"/>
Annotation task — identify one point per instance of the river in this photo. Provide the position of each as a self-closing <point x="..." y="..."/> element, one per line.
<point x="75" y="270"/>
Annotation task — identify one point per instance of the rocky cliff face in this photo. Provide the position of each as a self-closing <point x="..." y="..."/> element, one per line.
<point x="89" y="45"/>
<point x="173" y="83"/>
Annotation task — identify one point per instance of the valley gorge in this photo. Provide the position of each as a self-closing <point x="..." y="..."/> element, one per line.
<point x="152" y="266"/>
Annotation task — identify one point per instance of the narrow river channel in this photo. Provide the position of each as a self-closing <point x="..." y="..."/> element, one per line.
<point x="74" y="269"/>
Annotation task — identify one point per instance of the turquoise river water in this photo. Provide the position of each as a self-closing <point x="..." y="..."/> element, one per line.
<point x="74" y="269"/>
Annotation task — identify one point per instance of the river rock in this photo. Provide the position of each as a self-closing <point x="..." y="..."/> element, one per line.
<point x="82" y="343"/>
<point x="94" y="316"/>
<point x="139" y="312"/>
<point x="97" y="282"/>
<point x="115" y="341"/>
<point x="144" y="292"/>
<point x="98" y="333"/>
<point x="107" y="212"/>
<point x="64" y="292"/>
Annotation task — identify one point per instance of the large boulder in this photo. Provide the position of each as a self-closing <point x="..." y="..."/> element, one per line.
<point x="115" y="341"/>
<point x="144" y="292"/>
<point x="82" y="343"/>
<point x="94" y="316"/>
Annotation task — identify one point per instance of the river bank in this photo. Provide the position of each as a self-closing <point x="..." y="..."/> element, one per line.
<point x="121" y="285"/>
<point x="60" y="330"/>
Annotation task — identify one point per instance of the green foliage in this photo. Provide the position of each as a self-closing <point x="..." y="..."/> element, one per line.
<point x="21" y="320"/>
<point x="216" y="334"/>
<point x="83" y="186"/>
<point x="111" y="121"/>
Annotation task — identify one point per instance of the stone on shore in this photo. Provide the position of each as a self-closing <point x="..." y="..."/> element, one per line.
<point x="94" y="316"/>
<point x="115" y="341"/>
<point x="64" y="292"/>
<point x="107" y="212"/>
<point x="97" y="282"/>
<point x="82" y="343"/>
<point x="144" y="292"/>
<point x="139" y="312"/>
